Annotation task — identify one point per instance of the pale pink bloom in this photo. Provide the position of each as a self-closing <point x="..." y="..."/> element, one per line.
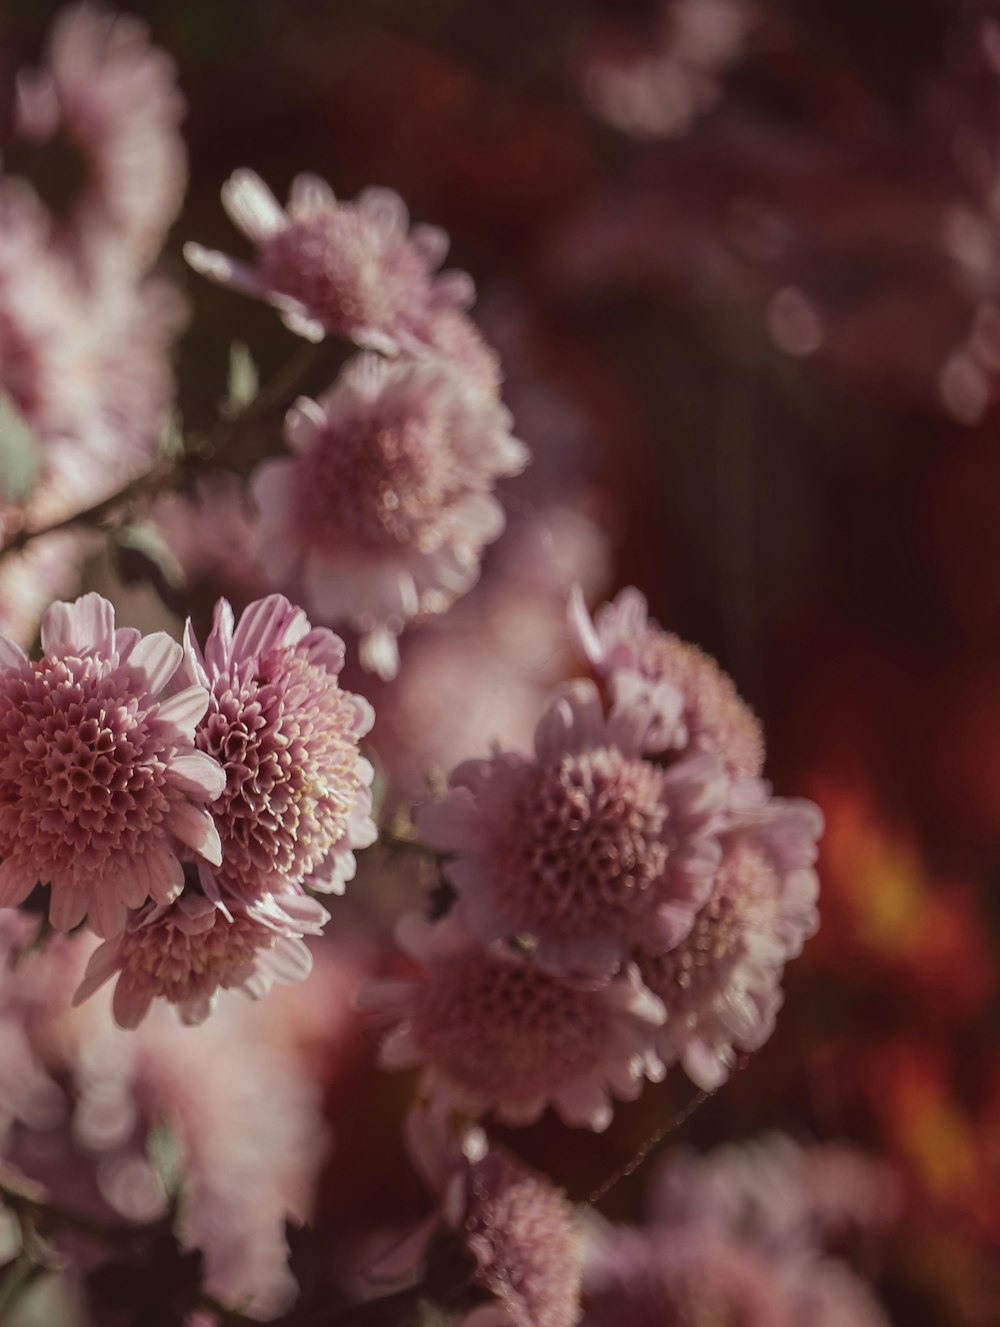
<point x="457" y="341"/>
<point x="48" y="568"/>
<point x="623" y="643"/>
<point x="187" y="951"/>
<point x="384" y="509"/>
<point x="209" y="534"/>
<point x="684" y="1278"/>
<point x="721" y="985"/>
<point x="481" y="674"/>
<point x="85" y="363"/>
<point x="831" y="1295"/>
<point x="496" y="1032"/>
<point x="587" y="848"/>
<point x="112" y="96"/>
<point x="522" y="1233"/>
<point x="101" y="787"/>
<point x="248" y="1120"/>
<point x="780" y="1194"/>
<point x="661" y="89"/>
<point x="350" y="269"/>
<point x="297" y="800"/>
<point x="29" y="1094"/>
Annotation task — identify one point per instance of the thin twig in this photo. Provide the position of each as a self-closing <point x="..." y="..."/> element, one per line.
<point x="213" y="450"/>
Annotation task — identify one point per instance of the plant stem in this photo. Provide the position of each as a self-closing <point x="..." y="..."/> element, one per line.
<point x="213" y="450"/>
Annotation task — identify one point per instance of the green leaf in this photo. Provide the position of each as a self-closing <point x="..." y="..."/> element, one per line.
<point x="18" y="452"/>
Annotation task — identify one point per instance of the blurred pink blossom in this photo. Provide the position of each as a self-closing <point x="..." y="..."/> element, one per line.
<point x="383" y="511"/>
<point x="497" y="1032"/>
<point x="351" y="269"/>
<point x="105" y="90"/>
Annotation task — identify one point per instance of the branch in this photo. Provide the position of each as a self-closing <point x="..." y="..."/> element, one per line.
<point x="214" y="450"/>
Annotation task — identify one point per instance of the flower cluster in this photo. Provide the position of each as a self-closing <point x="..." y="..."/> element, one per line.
<point x="179" y="801"/>
<point x="733" y="1238"/>
<point x="626" y="896"/>
<point x="381" y="514"/>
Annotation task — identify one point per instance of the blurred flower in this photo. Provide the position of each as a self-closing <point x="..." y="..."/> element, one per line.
<point x="189" y="950"/>
<point x="661" y="88"/>
<point x="101" y="784"/>
<point x="497" y="1032"/>
<point x="778" y="1193"/>
<point x="586" y="848"/>
<point x="624" y="641"/>
<point x="482" y="673"/>
<point x="685" y="1278"/>
<point x="109" y="97"/>
<point x="350" y="269"/>
<point x="85" y="363"/>
<point x="387" y="504"/>
<point x="210" y="535"/>
<point x="297" y="800"/>
<point x="721" y="984"/>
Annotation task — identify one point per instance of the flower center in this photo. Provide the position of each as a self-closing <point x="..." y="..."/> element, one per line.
<point x="378" y="485"/>
<point x="81" y="767"/>
<point x="507" y="1029"/>
<point x="280" y="727"/>
<point x="584" y="843"/>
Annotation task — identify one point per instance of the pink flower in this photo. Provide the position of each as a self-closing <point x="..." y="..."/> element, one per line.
<point x="100" y="784"/>
<point x="498" y="1033"/>
<point x="684" y="1278"/>
<point x="721" y="985"/>
<point x="210" y="535"/>
<point x="383" y="511"/>
<point x="350" y="269"/>
<point x="297" y="800"/>
<point x="623" y="642"/>
<point x="587" y="848"/>
<point x="85" y="362"/>
<point x="521" y="1231"/>
<point x="187" y="951"/>
<point x="673" y="79"/>
<point x="113" y="97"/>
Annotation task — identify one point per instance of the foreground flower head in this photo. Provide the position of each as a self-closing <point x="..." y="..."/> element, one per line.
<point x="113" y="97"/>
<point x="187" y="951"/>
<point x="383" y="511"/>
<point x="623" y="642"/>
<point x="587" y="848"/>
<point x="351" y="269"/>
<point x="721" y="984"/>
<point x="495" y="1032"/>
<point x="520" y="1229"/>
<point x="101" y="788"/>
<point x="297" y="800"/>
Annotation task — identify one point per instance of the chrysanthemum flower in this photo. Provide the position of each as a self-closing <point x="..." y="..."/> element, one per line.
<point x="383" y="511"/>
<point x="297" y="800"/>
<point x="624" y="642"/>
<point x="101" y="787"/>
<point x="187" y="951"/>
<point x="696" y="1278"/>
<point x="113" y="98"/>
<point x="588" y="848"/>
<point x="351" y="269"/>
<point x="721" y="985"/>
<point x="521" y="1231"/>
<point x="498" y="1033"/>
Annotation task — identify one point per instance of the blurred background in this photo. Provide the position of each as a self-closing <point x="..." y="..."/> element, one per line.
<point x="740" y="260"/>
